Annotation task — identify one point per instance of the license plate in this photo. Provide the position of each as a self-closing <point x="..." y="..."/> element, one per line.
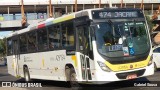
<point x="132" y="76"/>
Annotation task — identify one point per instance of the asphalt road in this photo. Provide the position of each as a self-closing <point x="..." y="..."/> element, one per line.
<point x="54" y="85"/>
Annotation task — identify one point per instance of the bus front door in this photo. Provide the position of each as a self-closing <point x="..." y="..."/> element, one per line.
<point x="15" y="57"/>
<point x="82" y="48"/>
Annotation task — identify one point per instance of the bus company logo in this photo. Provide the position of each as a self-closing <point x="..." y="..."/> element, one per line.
<point x="14" y="84"/>
<point x="123" y="67"/>
<point x="131" y="66"/>
<point x="27" y="59"/>
<point x="6" y="84"/>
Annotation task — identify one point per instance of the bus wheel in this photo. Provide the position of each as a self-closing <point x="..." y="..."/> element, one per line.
<point x="155" y="67"/>
<point x="26" y="74"/>
<point x="73" y="80"/>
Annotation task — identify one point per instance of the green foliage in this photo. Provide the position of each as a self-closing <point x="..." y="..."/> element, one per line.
<point x="3" y="47"/>
<point x="149" y="22"/>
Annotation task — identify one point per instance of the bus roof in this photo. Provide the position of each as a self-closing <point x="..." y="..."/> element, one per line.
<point x="51" y="21"/>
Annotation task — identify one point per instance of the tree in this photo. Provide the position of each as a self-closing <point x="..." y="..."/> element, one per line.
<point x="150" y="24"/>
<point x="3" y="47"/>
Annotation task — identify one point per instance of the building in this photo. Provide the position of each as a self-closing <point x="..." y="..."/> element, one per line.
<point x="38" y="10"/>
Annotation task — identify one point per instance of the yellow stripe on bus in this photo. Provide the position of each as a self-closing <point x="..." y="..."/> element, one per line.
<point x="128" y="66"/>
<point x="63" y="19"/>
<point x="43" y="62"/>
<point x="13" y="65"/>
<point x="75" y="60"/>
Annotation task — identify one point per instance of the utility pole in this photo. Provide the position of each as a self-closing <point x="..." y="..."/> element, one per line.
<point x="24" y="19"/>
<point x="99" y="3"/>
<point x="121" y="3"/>
<point x="50" y="9"/>
<point x="110" y="3"/>
<point x="159" y="10"/>
<point x="75" y="6"/>
<point x="141" y="7"/>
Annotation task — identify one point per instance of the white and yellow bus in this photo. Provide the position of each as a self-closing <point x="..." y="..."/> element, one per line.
<point x="104" y="44"/>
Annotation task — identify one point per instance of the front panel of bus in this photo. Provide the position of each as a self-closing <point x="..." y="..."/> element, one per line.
<point x="122" y="47"/>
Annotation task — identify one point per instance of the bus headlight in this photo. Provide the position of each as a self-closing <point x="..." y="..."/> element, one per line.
<point x="151" y="60"/>
<point x="103" y="66"/>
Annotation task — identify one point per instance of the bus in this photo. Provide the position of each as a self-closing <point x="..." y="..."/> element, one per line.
<point x="90" y="46"/>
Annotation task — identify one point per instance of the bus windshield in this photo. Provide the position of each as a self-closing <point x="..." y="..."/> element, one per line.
<point x="118" y="39"/>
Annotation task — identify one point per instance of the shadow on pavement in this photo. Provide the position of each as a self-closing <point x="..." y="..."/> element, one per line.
<point x="1" y="75"/>
<point x="1" y="65"/>
<point x="117" y="85"/>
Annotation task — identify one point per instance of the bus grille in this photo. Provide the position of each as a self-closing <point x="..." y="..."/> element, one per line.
<point x="124" y="75"/>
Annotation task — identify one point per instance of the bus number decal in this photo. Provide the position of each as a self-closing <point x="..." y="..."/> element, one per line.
<point x="105" y="14"/>
<point x="60" y="57"/>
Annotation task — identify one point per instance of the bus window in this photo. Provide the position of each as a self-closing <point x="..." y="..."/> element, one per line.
<point x="67" y="34"/>
<point x="54" y="37"/>
<point x="32" y="46"/>
<point x="23" y="43"/>
<point x="42" y="39"/>
<point x="9" y="47"/>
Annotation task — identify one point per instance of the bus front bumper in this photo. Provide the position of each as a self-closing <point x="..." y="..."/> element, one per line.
<point x="103" y="77"/>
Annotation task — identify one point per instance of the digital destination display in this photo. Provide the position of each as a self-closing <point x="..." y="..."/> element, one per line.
<point x="115" y="14"/>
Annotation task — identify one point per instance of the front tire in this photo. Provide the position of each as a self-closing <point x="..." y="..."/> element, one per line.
<point x="73" y="80"/>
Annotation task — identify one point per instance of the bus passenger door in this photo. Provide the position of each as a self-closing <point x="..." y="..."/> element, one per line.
<point x="16" y="57"/>
<point x="83" y="49"/>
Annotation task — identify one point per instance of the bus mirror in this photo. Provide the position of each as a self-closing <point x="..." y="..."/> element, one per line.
<point x="88" y="21"/>
<point x="81" y="48"/>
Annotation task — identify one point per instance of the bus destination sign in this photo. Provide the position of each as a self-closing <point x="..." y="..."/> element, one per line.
<point x="114" y="14"/>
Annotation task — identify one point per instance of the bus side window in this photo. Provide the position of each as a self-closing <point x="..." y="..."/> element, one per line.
<point x="54" y="36"/>
<point x="32" y="46"/>
<point x="9" y="47"/>
<point x="23" y="43"/>
<point x="42" y="39"/>
<point x="67" y="34"/>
